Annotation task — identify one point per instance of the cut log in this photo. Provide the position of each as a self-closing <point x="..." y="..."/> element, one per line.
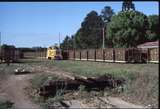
<point x="72" y="104"/>
<point x="83" y="81"/>
<point x="53" y="86"/>
<point x="99" y="83"/>
<point x="65" y="104"/>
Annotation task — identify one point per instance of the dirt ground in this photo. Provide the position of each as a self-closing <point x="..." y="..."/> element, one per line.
<point x="13" y="89"/>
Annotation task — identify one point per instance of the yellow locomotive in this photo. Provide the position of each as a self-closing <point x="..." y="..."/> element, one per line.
<point x="54" y="52"/>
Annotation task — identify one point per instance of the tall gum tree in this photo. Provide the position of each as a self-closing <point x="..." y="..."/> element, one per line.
<point x="127" y="29"/>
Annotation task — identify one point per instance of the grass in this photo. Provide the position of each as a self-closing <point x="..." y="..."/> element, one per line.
<point x="5" y="70"/>
<point x="40" y="79"/>
<point x="99" y="68"/>
<point x="141" y="79"/>
<point x="29" y="61"/>
<point x="37" y="81"/>
<point x="6" y="105"/>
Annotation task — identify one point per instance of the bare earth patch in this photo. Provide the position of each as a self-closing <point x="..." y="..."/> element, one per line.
<point x="13" y="88"/>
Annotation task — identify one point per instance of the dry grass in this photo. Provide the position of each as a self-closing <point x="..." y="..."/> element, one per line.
<point x="141" y="79"/>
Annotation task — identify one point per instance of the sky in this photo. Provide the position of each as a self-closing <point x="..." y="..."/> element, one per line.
<point x="30" y="24"/>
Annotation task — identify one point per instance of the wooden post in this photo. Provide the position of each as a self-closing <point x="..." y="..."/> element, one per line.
<point x="140" y="51"/>
<point x="103" y="46"/>
<point x="74" y="54"/>
<point x="103" y="55"/>
<point x="95" y="55"/>
<point x="80" y="54"/>
<point x="113" y="55"/>
<point x="148" y="55"/>
<point x="87" y="54"/>
<point x="132" y="54"/>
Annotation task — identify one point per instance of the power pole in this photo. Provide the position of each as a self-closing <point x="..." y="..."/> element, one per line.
<point x="74" y="42"/>
<point x="103" y="37"/>
<point x="0" y="45"/>
<point x="0" y="39"/>
<point x="59" y="39"/>
<point x="103" y="46"/>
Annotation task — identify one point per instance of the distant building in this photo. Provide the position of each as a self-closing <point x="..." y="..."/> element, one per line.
<point x="152" y="50"/>
<point x="146" y="45"/>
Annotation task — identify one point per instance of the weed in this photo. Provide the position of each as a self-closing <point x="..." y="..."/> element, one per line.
<point x="39" y="80"/>
<point x="6" y="105"/>
<point x="141" y="83"/>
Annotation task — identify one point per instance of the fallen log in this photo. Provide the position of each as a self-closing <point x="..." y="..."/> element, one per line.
<point x="53" y="86"/>
<point x="98" y="83"/>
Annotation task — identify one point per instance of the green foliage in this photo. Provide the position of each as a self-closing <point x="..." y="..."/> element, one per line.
<point x="25" y="49"/>
<point x="90" y="33"/>
<point x="5" y="46"/>
<point x="39" y="80"/>
<point x="127" y="5"/>
<point x="127" y="29"/>
<point x="106" y="14"/>
<point x="141" y="79"/>
<point x="88" y="36"/>
<point x="78" y="43"/>
<point x="33" y="49"/>
<point x="6" y="105"/>
<point x="67" y="43"/>
<point x="36" y="82"/>
<point x="153" y="30"/>
<point x="37" y="48"/>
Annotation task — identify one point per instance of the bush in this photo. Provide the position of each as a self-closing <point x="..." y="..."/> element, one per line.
<point x="6" y="105"/>
<point x="39" y="80"/>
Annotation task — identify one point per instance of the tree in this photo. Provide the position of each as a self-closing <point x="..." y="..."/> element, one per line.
<point x="90" y="33"/>
<point x="5" y="46"/>
<point x="77" y="40"/>
<point x="25" y="49"/>
<point x="153" y="30"/>
<point x="37" y="48"/>
<point x="7" y="53"/>
<point x="127" y="29"/>
<point x="72" y="41"/>
<point x="127" y="5"/>
<point x="106" y="14"/>
<point x="67" y="43"/>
